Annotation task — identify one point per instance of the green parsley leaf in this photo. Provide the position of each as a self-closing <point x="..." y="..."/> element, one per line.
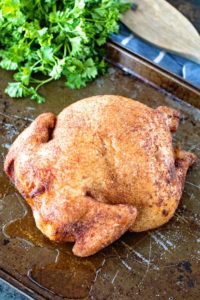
<point x="38" y="98"/>
<point x="55" y="38"/>
<point x="8" y="64"/>
<point x="17" y="90"/>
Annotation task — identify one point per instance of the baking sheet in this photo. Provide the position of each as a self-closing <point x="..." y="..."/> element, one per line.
<point x="163" y="263"/>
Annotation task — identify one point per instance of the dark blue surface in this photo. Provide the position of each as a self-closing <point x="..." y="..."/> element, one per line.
<point x="9" y="293"/>
<point x="190" y="71"/>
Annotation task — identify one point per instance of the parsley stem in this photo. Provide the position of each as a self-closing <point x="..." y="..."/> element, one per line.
<point x="68" y="49"/>
<point x="65" y="50"/>
<point x="34" y="80"/>
<point x="43" y="82"/>
<point x="95" y="21"/>
<point x="58" y="48"/>
<point x="35" y="64"/>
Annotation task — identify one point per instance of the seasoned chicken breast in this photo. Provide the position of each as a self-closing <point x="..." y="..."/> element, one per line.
<point x="103" y="166"/>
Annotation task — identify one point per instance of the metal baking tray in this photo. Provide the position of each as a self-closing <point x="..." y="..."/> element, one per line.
<point x="159" y="264"/>
<point x="163" y="263"/>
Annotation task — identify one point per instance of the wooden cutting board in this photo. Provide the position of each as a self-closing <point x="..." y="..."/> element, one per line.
<point x="159" y="23"/>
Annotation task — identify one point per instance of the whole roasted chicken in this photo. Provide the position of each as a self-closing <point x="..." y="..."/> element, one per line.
<point x="103" y="166"/>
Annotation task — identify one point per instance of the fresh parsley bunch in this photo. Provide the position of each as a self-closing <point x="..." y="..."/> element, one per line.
<point x="55" y="38"/>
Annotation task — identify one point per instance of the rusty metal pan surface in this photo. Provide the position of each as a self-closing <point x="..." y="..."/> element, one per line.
<point x="160" y="264"/>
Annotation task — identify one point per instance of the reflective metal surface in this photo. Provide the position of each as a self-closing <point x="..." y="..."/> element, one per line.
<point x="164" y="263"/>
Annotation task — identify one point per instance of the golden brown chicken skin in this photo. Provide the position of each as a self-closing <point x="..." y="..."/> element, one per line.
<point x="103" y="166"/>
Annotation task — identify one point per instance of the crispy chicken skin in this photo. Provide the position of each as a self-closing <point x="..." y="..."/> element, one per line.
<point x="103" y="166"/>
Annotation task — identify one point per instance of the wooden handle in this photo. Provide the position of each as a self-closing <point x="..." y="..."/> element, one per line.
<point x="161" y="24"/>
